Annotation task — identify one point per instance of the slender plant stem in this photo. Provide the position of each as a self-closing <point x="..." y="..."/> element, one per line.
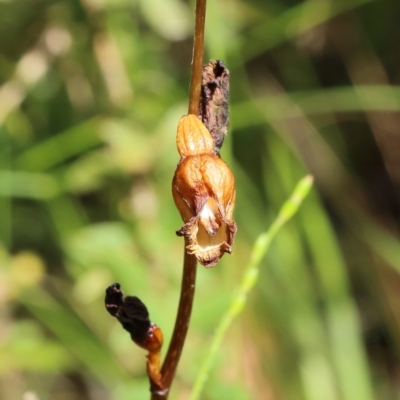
<point x="181" y="325"/>
<point x="190" y="262"/>
<point x="197" y="61"/>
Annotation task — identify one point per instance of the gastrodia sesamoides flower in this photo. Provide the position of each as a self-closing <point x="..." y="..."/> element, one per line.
<point x="204" y="193"/>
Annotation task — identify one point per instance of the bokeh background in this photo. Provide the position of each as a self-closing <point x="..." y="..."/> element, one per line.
<point x="90" y="96"/>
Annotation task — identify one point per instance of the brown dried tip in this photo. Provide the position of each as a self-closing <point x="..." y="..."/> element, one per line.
<point x="204" y="193"/>
<point x="213" y="107"/>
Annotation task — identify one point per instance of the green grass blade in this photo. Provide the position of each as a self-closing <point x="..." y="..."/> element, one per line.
<point x="294" y="22"/>
<point x="250" y="275"/>
<point x="61" y="147"/>
<point x="282" y="106"/>
<point x="30" y="185"/>
<point x="341" y="316"/>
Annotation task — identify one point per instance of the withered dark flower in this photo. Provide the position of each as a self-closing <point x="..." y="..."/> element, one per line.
<point x="204" y="193"/>
<point x="134" y="317"/>
<point x="130" y="312"/>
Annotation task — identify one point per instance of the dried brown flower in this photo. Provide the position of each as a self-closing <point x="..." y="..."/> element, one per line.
<point x="204" y="193"/>
<point x="213" y="107"/>
<point x="134" y="317"/>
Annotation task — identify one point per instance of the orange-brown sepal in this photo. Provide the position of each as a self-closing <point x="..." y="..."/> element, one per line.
<point x="153" y="340"/>
<point x="153" y="344"/>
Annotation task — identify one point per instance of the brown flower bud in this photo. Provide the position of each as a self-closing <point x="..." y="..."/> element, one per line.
<point x="204" y="193"/>
<point x="193" y="137"/>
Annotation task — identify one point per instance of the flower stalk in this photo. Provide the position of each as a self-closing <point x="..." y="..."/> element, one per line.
<point x="197" y="61"/>
<point x="181" y="326"/>
<point x="190" y="262"/>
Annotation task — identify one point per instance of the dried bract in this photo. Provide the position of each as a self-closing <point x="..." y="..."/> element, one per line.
<point x="204" y="193"/>
<point x="213" y="107"/>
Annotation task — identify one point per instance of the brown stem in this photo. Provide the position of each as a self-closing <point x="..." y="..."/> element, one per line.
<point x="197" y="62"/>
<point x="181" y="326"/>
<point x="190" y="262"/>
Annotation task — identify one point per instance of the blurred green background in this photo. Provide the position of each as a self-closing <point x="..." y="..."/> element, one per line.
<point x="91" y="92"/>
